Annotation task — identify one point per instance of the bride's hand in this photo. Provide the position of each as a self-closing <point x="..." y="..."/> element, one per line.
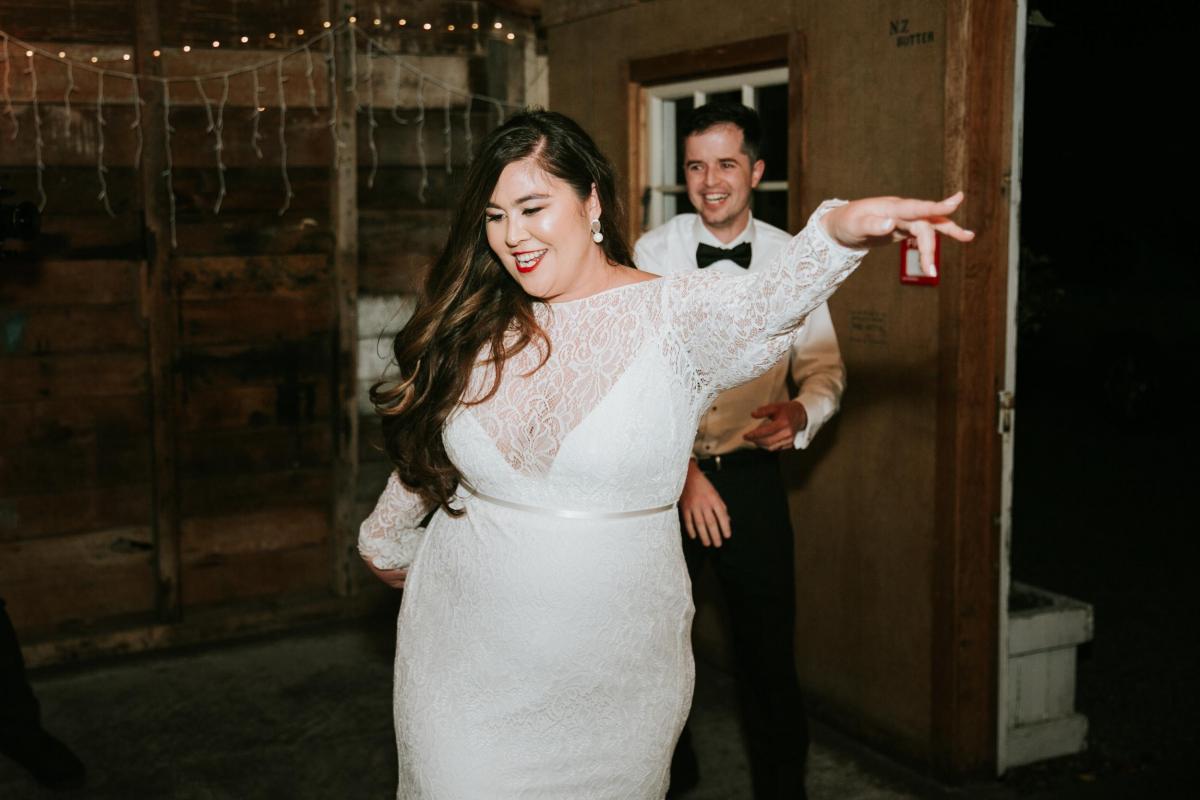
<point x="876" y="221"/>
<point x="394" y="578"/>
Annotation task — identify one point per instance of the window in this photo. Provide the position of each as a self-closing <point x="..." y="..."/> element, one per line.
<point x="669" y="105"/>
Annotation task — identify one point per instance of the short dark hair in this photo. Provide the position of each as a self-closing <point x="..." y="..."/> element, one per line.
<point x="722" y="113"/>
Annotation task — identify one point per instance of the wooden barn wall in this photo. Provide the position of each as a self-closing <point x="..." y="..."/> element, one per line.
<point x="252" y="374"/>
<point x="863" y="497"/>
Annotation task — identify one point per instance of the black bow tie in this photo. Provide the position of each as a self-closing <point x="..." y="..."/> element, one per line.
<point x="707" y="254"/>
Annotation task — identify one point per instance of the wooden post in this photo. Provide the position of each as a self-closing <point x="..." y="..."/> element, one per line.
<point x="971" y="334"/>
<point x="343" y="213"/>
<point x="161" y="311"/>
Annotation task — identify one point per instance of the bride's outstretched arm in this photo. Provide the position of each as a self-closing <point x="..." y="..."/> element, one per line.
<point x="734" y="328"/>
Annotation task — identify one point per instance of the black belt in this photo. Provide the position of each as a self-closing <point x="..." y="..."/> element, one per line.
<point x="736" y="459"/>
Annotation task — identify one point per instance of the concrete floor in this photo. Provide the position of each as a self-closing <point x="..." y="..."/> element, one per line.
<point x="308" y="715"/>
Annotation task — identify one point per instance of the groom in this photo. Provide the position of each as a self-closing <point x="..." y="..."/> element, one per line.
<point x="734" y="504"/>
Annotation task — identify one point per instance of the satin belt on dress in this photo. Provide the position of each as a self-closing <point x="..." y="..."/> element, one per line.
<point x="564" y="513"/>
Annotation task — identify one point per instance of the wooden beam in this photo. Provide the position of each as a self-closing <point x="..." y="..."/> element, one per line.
<point x="220" y="623"/>
<point x="343" y="211"/>
<point x="742" y="56"/>
<point x="161" y="309"/>
<point x="971" y="334"/>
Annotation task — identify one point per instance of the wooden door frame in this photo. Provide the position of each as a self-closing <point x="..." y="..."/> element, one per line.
<point x="968" y="548"/>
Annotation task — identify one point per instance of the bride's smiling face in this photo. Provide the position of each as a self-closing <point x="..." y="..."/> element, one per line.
<point x="540" y="230"/>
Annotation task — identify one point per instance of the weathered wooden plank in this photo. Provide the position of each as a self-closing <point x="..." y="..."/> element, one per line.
<point x="69" y="283"/>
<point x="95" y="461"/>
<point x="77" y="510"/>
<point x="160" y="299"/>
<point x="94" y="236"/>
<point x="257" y="188"/>
<point x="397" y="249"/>
<point x="256" y="575"/>
<point x="217" y="623"/>
<point x="63" y="21"/>
<point x="251" y="232"/>
<point x="344" y="216"/>
<point x="65" y="582"/>
<point x="227" y="494"/>
<point x="71" y="330"/>
<point x="274" y="363"/>
<point x="212" y="539"/>
<point x="262" y="318"/>
<point x="91" y="375"/>
<point x="75" y="190"/>
<point x="219" y="277"/>
<point x="63" y="420"/>
<point x="291" y="403"/>
<point x="251" y="451"/>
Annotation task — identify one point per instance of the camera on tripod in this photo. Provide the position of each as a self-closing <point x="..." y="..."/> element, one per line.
<point x="18" y="220"/>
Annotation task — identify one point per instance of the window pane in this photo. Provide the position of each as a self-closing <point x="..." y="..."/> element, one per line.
<point x="681" y="110"/>
<point x="772" y="207"/>
<point x="773" y="108"/>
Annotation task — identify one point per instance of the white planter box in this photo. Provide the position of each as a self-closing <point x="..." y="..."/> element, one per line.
<point x="1043" y="632"/>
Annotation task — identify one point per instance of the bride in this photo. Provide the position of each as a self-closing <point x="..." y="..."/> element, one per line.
<point x="545" y="401"/>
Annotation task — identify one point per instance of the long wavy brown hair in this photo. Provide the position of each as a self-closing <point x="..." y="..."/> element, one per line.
<point x="470" y="303"/>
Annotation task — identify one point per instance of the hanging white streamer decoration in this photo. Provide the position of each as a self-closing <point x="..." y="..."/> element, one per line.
<point x="312" y="87"/>
<point x="448" y="132"/>
<point x="287" y="183"/>
<point x="421" y="139"/>
<point x="101" y="170"/>
<point x="219" y="143"/>
<point x="334" y="91"/>
<point x="371" y="123"/>
<point x="255" y="136"/>
<point x="8" y="106"/>
<point x="216" y="125"/>
<point x="67" y="100"/>
<point x="467" y="128"/>
<point x="397" y="66"/>
<point x="37" y="133"/>
<point x="136" y="125"/>
<point x="168" y="172"/>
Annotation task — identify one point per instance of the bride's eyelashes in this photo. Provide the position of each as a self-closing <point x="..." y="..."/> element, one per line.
<point x="528" y="212"/>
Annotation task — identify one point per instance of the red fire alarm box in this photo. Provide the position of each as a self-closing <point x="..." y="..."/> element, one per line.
<point x="910" y="262"/>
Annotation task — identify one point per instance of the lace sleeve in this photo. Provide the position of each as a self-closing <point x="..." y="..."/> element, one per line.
<point x="735" y="328"/>
<point x="388" y="538"/>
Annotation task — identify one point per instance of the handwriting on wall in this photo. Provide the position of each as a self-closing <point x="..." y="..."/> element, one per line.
<point x="898" y="30"/>
<point x="868" y="327"/>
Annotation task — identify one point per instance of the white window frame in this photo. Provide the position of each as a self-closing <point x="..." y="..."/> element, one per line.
<point x="660" y="133"/>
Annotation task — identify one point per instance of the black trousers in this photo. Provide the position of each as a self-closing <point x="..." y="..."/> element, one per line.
<point x="756" y="570"/>
<point x="19" y="713"/>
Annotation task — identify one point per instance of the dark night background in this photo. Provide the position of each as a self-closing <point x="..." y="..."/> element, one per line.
<point x="1106" y="473"/>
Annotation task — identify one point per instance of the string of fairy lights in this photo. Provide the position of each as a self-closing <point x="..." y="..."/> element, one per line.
<point x="310" y="47"/>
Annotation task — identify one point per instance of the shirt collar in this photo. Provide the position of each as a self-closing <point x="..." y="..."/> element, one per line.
<point x="704" y="236"/>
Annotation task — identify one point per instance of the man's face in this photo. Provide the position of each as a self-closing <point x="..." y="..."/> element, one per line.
<point x="720" y="178"/>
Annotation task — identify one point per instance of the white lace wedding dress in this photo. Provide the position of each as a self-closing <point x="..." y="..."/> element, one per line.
<point x="543" y="642"/>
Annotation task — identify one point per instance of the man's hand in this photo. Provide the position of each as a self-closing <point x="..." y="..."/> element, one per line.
<point x="392" y="577"/>
<point x="780" y="424"/>
<point x="876" y="221"/>
<point x="703" y="510"/>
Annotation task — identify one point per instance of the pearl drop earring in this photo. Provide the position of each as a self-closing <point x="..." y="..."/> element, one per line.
<point x="597" y="236"/>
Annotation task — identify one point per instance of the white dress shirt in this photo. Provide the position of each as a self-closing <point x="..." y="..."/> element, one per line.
<point x="814" y="360"/>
